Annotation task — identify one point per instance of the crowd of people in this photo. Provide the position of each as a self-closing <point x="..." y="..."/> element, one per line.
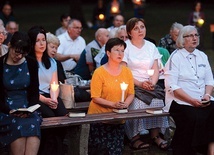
<point x="181" y="82"/>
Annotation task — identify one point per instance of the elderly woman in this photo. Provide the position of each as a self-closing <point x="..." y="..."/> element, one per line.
<point x="189" y="81"/>
<point x="106" y="96"/>
<point x="141" y="56"/>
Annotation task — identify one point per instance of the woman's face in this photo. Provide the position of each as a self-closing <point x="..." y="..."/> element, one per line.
<point x="15" y="56"/>
<point x="138" y="32"/>
<point x="40" y="45"/>
<point x="116" y="54"/>
<point x="52" y="49"/>
<point x="191" y="40"/>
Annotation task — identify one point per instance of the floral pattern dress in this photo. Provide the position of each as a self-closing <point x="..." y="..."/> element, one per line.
<point x="16" y="79"/>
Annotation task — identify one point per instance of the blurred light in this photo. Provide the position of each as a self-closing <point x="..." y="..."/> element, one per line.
<point x="200" y="22"/>
<point x="101" y="16"/>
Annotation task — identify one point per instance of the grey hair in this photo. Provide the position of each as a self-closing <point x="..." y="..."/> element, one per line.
<point x="176" y="26"/>
<point x="51" y="38"/>
<point x="183" y="32"/>
<point x="121" y="28"/>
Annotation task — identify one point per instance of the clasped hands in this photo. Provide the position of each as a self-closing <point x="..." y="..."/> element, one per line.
<point x="121" y="105"/>
<point x="147" y="85"/>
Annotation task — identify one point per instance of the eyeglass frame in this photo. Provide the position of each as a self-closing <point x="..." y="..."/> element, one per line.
<point x="77" y="28"/>
<point x="191" y="35"/>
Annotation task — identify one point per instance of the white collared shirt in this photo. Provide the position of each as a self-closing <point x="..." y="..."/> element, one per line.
<point x="68" y="46"/>
<point x="191" y="72"/>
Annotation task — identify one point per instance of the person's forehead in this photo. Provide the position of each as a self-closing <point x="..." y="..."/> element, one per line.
<point x="120" y="18"/>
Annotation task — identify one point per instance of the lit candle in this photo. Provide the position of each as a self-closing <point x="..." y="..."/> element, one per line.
<point x="54" y="88"/>
<point x="150" y="72"/>
<point x="114" y="9"/>
<point x="123" y="87"/>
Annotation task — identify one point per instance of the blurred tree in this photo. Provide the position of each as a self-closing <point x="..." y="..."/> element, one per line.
<point x="76" y="11"/>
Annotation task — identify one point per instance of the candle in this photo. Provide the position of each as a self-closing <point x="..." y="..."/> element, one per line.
<point x="123" y="87"/>
<point x="54" y="88"/>
<point x="150" y="72"/>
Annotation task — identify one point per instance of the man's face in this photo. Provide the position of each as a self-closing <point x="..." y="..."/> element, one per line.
<point x="118" y="21"/>
<point x="74" y="30"/>
<point x="174" y="34"/>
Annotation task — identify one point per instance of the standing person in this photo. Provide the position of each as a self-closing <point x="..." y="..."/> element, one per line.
<point x="169" y="41"/>
<point x="64" y="19"/>
<point x="108" y="137"/>
<point x="52" y="140"/>
<point x="71" y="45"/>
<point x="188" y="82"/>
<point x="196" y="18"/>
<point x="6" y="12"/>
<point x="19" y="88"/>
<point x="140" y="56"/>
<point x="3" y="36"/>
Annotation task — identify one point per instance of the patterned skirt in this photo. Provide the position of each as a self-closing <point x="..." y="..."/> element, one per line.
<point x="106" y="139"/>
<point x="134" y="127"/>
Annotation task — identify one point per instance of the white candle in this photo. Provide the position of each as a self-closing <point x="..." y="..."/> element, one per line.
<point x="54" y="88"/>
<point x="123" y="87"/>
<point x="150" y="72"/>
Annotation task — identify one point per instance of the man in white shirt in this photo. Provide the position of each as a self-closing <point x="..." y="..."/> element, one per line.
<point x="117" y="22"/>
<point x="71" y="45"/>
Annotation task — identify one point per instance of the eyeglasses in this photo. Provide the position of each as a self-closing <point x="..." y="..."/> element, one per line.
<point x="17" y="53"/>
<point x="3" y="33"/>
<point x="191" y="36"/>
<point x="78" y="28"/>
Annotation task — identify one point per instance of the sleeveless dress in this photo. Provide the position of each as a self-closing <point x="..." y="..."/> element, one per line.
<point x="16" y="79"/>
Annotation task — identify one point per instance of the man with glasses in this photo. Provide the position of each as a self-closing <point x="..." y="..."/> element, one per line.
<point x="71" y="45"/>
<point x="168" y="41"/>
<point x="3" y="35"/>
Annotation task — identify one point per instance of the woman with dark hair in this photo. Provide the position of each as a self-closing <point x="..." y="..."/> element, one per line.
<point x="6" y="12"/>
<point x="141" y="56"/>
<point x="50" y="106"/>
<point x="52" y="140"/>
<point x="108" y="137"/>
<point x="19" y="88"/>
<point x="196" y="18"/>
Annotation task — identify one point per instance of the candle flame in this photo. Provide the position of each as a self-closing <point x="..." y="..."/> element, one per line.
<point x="200" y="22"/>
<point x="123" y="86"/>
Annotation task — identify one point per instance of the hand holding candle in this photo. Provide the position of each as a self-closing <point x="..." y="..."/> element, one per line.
<point x="54" y="88"/>
<point x="150" y="72"/>
<point x="123" y="87"/>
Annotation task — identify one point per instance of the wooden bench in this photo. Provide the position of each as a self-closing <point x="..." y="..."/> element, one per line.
<point x="78" y="127"/>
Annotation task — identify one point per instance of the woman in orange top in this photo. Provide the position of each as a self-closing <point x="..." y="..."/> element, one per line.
<point x="107" y="137"/>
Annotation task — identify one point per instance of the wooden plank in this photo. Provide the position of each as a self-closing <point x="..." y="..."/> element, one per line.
<point x="63" y="121"/>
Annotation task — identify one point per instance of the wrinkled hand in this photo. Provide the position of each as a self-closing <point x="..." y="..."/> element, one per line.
<point x="197" y="103"/>
<point x="147" y="85"/>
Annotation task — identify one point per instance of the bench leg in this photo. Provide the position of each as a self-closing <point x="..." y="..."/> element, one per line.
<point x="77" y="139"/>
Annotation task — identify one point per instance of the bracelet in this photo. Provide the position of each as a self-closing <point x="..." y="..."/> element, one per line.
<point x="208" y="95"/>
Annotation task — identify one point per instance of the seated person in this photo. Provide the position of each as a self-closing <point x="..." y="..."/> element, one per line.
<point x="106" y="95"/>
<point x="86" y="65"/>
<point x="3" y="36"/>
<point x="19" y="88"/>
<point x="53" y="44"/>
